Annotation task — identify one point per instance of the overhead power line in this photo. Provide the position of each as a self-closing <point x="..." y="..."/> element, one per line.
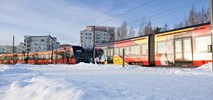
<point x="174" y="10"/>
<point x="168" y="4"/>
<point x="121" y="4"/>
<point x="144" y="4"/>
<point x="179" y="10"/>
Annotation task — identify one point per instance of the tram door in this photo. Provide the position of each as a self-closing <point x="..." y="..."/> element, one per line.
<point x="183" y="51"/>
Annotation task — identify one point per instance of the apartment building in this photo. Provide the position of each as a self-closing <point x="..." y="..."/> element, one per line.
<point x="40" y="43"/>
<point x="102" y="34"/>
<point x="9" y="49"/>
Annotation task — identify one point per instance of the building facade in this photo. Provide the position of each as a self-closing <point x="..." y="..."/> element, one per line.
<point x="6" y="49"/>
<point x="103" y="34"/>
<point x="9" y="49"/>
<point x="40" y="43"/>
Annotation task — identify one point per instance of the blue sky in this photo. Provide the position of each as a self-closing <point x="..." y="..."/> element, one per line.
<point x="65" y="19"/>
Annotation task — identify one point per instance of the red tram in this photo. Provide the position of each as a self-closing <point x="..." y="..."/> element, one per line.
<point x="67" y="55"/>
<point x="184" y="46"/>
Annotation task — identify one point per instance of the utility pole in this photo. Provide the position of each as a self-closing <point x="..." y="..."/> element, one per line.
<point x="123" y="55"/>
<point x="13" y="48"/>
<point x="52" y="54"/>
<point x="13" y="44"/>
<point x="211" y="23"/>
<point x="93" y="58"/>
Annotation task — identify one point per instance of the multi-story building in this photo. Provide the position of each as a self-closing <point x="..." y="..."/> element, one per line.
<point x="20" y="48"/>
<point x="6" y="49"/>
<point x="40" y="43"/>
<point x="103" y="34"/>
<point x="9" y="49"/>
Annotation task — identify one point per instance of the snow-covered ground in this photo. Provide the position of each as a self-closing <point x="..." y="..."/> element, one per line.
<point x="104" y="82"/>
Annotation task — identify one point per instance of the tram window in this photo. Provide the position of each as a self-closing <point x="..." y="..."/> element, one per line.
<point x="20" y="57"/>
<point x="161" y="47"/>
<point x="9" y="58"/>
<point x="116" y="50"/>
<point x="111" y="52"/>
<point x="127" y="51"/>
<point x="121" y="51"/>
<point x="39" y="56"/>
<point x="60" y="55"/>
<point x="143" y="49"/>
<point x="54" y="56"/>
<point x="201" y="43"/>
<point x="108" y="51"/>
<point x="71" y="55"/>
<point x="105" y="51"/>
<point x="36" y="56"/>
<point x="47" y="56"/>
<point x="135" y="50"/>
<point x="67" y="54"/>
<point x="29" y="57"/>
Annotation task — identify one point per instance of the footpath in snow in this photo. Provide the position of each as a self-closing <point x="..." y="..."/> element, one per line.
<point x="104" y="82"/>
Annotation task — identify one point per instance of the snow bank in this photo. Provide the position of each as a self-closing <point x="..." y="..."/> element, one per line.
<point x="3" y="68"/>
<point x="12" y="69"/>
<point x="41" y="88"/>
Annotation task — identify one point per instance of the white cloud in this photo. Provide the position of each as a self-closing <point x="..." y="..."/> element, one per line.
<point x="59" y="18"/>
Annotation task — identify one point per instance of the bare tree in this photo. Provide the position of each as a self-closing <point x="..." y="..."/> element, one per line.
<point x="184" y="23"/>
<point x="148" y="28"/>
<point x="208" y="15"/>
<point x="165" y="27"/>
<point x="123" y="30"/>
<point x="131" y="32"/>
<point x="142" y="25"/>
<point x="118" y="33"/>
<point x="192" y="17"/>
<point x="156" y="30"/>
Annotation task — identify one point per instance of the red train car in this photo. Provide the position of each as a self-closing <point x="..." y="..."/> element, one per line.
<point x="184" y="46"/>
<point x="67" y="55"/>
<point x="11" y="58"/>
